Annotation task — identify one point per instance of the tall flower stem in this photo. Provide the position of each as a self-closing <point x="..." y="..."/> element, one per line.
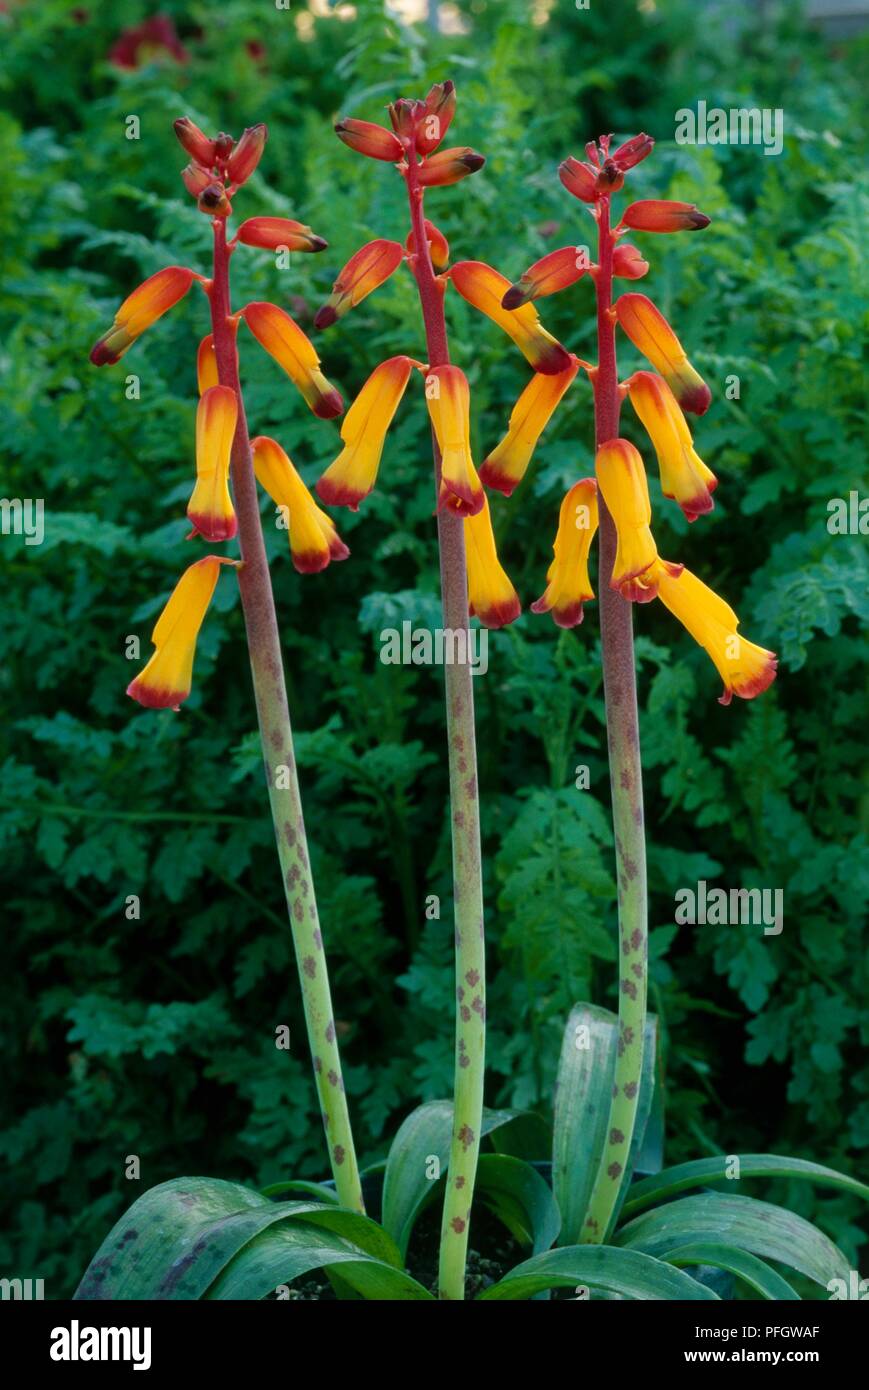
<point x="465" y="819"/>
<point x="626" y="784"/>
<point x="277" y="741"/>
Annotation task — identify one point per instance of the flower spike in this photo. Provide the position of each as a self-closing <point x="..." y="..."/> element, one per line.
<point x="139" y="310"/>
<point x="210" y="507"/>
<point x="165" y="682"/>
<point x="621" y="478"/>
<point x="351" y="477"/>
<point x="314" y="540"/>
<point x="649" y="331"/>
<point x="505" y="467"/>
<point x="371" y="266"/>
<point x="547" y="276"/>
<point x="567" y="583"/>
<point x="448" y="398"/>
<point x="684" y="475"/>
<point x="491" y="596"/>
<point x="270" y="233"/>
<point x="284" y="340"/>
<point x="484" y="288"/>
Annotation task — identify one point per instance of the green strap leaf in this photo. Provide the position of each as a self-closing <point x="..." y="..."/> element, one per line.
<point x="702" y="1171"/>
<point x="411" y="1174"/>
<point x="313" y="1189"/>
<point x="742" y="1222"/>
<point x="745" y="1266"/>
<point x="582" y="1104"/>
<point x="603" y="1270"/>
<point x="520" y="1198"/>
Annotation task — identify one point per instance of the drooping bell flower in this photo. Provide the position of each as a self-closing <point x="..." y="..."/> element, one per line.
<point x="663" y="215"/>
<point x="621" y="478"/>
<point x="210" y="508"/>
<point x="206" y="365"/>
<point x="491" y="596"/>
<point x="314" y="541"/>
<point x="684" y="475"/>
<point x="247" y="154"/>
<point x="580" y="179"/>
<point x="746" y="669"/>
<point x="140" y="309"/>
<point x="165" y="682"/>
<point x="650" y="332"/>
<point x="434" y="121"/>
<point x="369" y="268"/>
<point x="484" y="288"/>
<point x="506" y="465"/>
<point x="274" y="233"/>
<point x="628" y="264"/>
<point x="351" y="477"/>
<point x="284" y="340"/>
<point x="567" y="583"/>
<point x="448" y="398"/>
<point x="370" y="139"/>
<point x="449" y="166"/>
<point x="438" y="246"/>
<point x="547" y="276"/>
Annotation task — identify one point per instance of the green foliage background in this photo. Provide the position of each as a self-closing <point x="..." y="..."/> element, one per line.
<point x="156" y="1037"/>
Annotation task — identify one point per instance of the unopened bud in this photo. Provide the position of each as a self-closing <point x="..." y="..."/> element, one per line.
<point x="201" y="150"/>
<point x="404" y="115"/>
<point x="662" y="215"/>
<point x="214" y="202"/>
<point x="628" y="264"/>
<point x="196" y="179"/>
<point x="440" y="107"/>
<point x="449" y="166"/>
<point x="438" y="246"/>
<point x="269" y="233"/>
<point x="632" y="151"/>
<point x="610" y="179"/>
<point x="247" y="153"/>
<point x="373" y="140"/>
<point x="579" y="179"/>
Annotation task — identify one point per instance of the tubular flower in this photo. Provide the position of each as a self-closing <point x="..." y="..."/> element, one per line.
<point x="567" y="583"/>
<point x="746" y="669"/>
<point x="491" y="596"/>
<point x="684" y="475"/>
<point x="288" y="345"/>
<point x="628" y="264"/>
<point x="206" y="365"/>
<point x="139" y="310"/>
<point x="484" y="288"/>
<point x="649" y="331"/>
<point x="632" y="151"/>
<point x="247" y="154"/>
<point x="547" y="276"/>
<point x="370" y="267"/>
<point x="662" y="215"/>
<point x="314" y="540"/>
<point x="165" y="682"/>
<point x="210" y="507"/>
<point x="438" y="246"/>
<point x="191" y="139"/>
<point x="505" y="467"/>
<point x="621" y="478"/>
<point x="580" y="179"/>
<point x="351" y="477"/>
<point x="434" y="122"/>
<point x="270" y="233"/>
<point x="449" y="400"/>
<point x="448" y="166"/>
<point x="367" y="138"/>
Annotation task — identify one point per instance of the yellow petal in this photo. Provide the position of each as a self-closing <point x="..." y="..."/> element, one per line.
<point x="210" y="507"/>
<point x="745" y="668"/>
<point x="484" y="287"/>
<point x="284" y="340"/>
<point x="353" y="474"/>
<point x="622" y="480"/>
<point x="166" y="679"/>
<point x="568" y="585"/>
<point x="491" y="596"/>
<point x="505" y="467"/>
<point x="684" y="475"/>
<point x="448" y="398"/>
<point x="314" y="541"/>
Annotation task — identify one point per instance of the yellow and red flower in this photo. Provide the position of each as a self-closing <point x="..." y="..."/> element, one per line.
<point x="140" y="309"/>
<point x="165" y="682"/>
<point x="547" y="276"/>
<point x="284" y="340"/>
<point x="649" y="331"/>
<point x="684" y="475"/>
<point x="210" y="507"/>
<point x="449" y="166"/>
<point x="206" y="365"/>
<point x="567" y="583"/>
<point x="484" y="288"/>
<point x="365" y="271"/>
<point x="351" y="477"/>
<point x="449" y="404"/>
<point x="314" y="540"/>
<point x="505" y="466"/>
<point x="491" y="596"/>
<point x="621" y="478"/>
<point x="438" y="246"/>
<point x="663" y="215"/>
<point x="370" y="139"/>
<point x="272" y="233"/>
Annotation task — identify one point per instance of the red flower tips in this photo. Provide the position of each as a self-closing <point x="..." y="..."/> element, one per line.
<point x="272" y="233"/>
<point x="247" y="153"/>
<point x="364" y="272"/>
<point x="439" y="109"/>
<point x="438" y="246"/>
<point x="547" y="276"/>
<point x="579" y="179"/>
<point x="210" y="507"/>
<point x="448" y="399"/>
<point x="662" y="215"/>
<point x="628" y="264"/>
<point x="139" y="310"/>
<point x="284" y="340"/>
<point x="485" y="288"/>
<point x="201" y="150"/>
<point x="649" y="331"/>
<point x="373" y="140"/>
<point x="632" y="151"/>
<point x="449" y="166"/>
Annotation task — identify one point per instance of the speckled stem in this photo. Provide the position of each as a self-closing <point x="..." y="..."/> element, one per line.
<point x="626" y="783"/>
<point x="470" y="1055"/>
<point x="280" y="765"/>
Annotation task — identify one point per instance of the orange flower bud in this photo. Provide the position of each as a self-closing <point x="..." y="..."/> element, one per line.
<point x="165" y="681"/>
<point x="663" y="215"/>
<point x="196" y="179"/>
<point x="448" y="398"/>
<point x="374" y="140"/>
<point x="505" y="467"/>
<point x="649" y="331"/>
<point x="438" y="246"/>
<point x="483" y="287"/>
<point x="491" y="596"/>
<point x="284" y="340"/>
<point x="610" y="178"/>
<point x="621" y="478"/>
<point x="210" y="506"/>
<point x="404" y="115"/>
<point x="214" y="202"/>
<point x="364" y="272"/>
<point x="270" y="233"/>
<point x="684" y="475"/>
<point x="547" y="276"/>
<point x="448" y="166"/>
<point x="567" y="583"/>
<point x="139" y="310"/>
<point x="628" y="264"/>
<point x="632" y="151"/>
<point x="201" y="150"/>
<point x="206" y="365"/>
<point x="351" y="477"/>
<point x="440" y="107"/>
<point x="247" y="154"/>
<point x="314" y="540"/>
<point x="580" y="179"/>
